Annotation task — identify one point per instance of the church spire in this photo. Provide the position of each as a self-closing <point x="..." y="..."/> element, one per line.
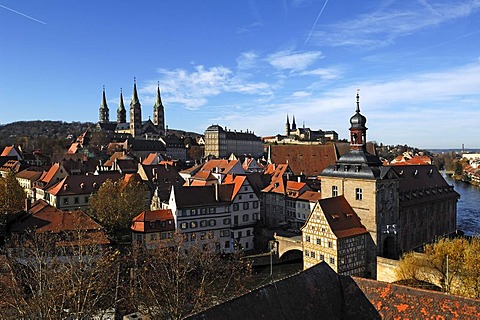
<point x="103" y="112"/>
<point x="294" y="125"/>
<point x="135" y="113"/>
<point x="121" y="111"/>
<point x="159" y="112"/>
<point x="287" y="127"/>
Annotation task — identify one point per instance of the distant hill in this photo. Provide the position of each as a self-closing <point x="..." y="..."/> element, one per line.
<point x="14" y="132"/>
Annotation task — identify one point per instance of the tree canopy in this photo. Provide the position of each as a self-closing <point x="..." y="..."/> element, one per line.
<point x="117" y="202"/>
<point x="453" y="264"/>
<point x="12" y="195"/>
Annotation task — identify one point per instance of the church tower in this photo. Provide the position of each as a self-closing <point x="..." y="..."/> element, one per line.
<point x="135" y="113"/>
<point x="121" y="111"/>
<point x="159" y="113"/>
<point x="358" y="130"/>
<point x="294" y="125"/>
<point x="287" y="127"/>
<point x="103" y="112"/>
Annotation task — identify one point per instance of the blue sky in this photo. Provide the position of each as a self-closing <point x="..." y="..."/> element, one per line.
<point x="247" y="64"/>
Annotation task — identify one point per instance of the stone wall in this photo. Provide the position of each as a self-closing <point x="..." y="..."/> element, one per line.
<point x="386" y="269"/>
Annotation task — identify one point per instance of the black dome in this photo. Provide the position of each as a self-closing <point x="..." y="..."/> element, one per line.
<point x="358" y="120"/>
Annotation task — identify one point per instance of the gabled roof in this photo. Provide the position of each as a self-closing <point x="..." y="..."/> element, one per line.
<point x="12" y="151"/>
<point x="50" y="174"/>
<point x="341" y="218"/>
<point x="278" y="182"/>
<point x="237" y="181"/>
<point x="224" y="166"/>
<point x="152" y="159"/>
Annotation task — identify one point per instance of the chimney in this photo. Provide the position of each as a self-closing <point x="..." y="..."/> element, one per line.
<point x="216" y="192"/>
<point x="28" y="204"/>
<point x="299" y="179"/>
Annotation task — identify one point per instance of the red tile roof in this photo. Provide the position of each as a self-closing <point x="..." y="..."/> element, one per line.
<point x="309" y="160"/>
<point x="343" y="221"/>
<point x="43" y="218"/>
<point x="309" y="195"/>
<point x="141" y="223"/>
<point x="224" y="166"/>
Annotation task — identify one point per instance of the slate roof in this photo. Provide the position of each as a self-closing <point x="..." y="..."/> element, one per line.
<point x="320" y="293"/>
<point x="420" y="183"/>
<point x="315" y="293"/>
<point x="198" y="196"/>
<point x="81" y="184"/>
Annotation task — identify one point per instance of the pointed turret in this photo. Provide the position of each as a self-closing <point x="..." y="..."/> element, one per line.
<point x="135" y="113"/>
<point x="287" y="127"/>
<point x="121" y="111"/>
<point x="103" y="112"/>
<point x="294" y="125"/>
<point x="159" y="113"/>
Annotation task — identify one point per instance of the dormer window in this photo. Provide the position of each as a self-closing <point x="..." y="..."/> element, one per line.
<point x="65" y="186"/>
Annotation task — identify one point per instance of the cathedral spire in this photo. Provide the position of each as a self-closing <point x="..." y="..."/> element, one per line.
<point x="135" y="94"/>
<point x="103" y="112"/>
<point x="135" y="113"/>
<point x="121" y="111"/>
<point x="159" y="112"/>
<point x="294" y="125"/>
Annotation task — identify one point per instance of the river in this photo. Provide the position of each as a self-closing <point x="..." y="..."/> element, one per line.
<point x="468" y="220"/>
<point x="468" y="207"/>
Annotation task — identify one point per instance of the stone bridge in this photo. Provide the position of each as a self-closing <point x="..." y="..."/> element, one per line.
<point x="284" y="244"/>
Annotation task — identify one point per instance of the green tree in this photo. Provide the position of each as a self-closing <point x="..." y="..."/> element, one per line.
<point x="116" y="203"/>
<point x="12" y="195"/>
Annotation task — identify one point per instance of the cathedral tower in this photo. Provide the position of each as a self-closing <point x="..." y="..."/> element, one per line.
<point x="135" y="113"/>
<point x="121" y="111"/>
<point x="159" y="113"/>
<point x="103" y="112"/>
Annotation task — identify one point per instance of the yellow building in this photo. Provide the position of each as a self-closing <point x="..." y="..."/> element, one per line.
<point x="333" y="233"/>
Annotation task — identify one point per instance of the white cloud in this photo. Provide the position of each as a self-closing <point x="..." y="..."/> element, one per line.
<point x="301" y="94"/>
<point x="294" y="61"/>
<point x="193" y="88"/>
<point x="384" y="25"/>
<point x="324" y="73"/>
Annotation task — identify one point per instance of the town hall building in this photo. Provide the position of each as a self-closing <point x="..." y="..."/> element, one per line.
<point x="402" y="207"/>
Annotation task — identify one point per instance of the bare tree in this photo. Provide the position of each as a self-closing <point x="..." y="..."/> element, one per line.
<point x="174" y="280"/>
<point x="51" y="279"/>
